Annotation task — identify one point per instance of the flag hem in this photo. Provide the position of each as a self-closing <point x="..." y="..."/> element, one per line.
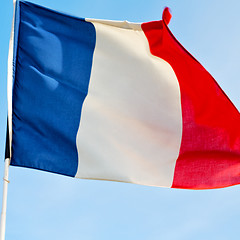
<point x="11" y="75"/>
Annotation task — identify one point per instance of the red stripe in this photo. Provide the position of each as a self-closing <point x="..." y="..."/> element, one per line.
<point x="210" y="149"/>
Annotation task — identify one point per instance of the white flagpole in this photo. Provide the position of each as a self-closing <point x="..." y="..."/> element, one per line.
<point x="7" y="160"/>
<point x="4" y="201"/>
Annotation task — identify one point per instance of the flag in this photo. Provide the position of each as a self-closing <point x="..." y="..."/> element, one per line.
<point x="118" y="101"/>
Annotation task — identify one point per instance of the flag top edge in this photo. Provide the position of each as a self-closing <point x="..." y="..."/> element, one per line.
<point x="115" y="23"/>
<point x="50" y="9"/>
<point x="119" y="24"/>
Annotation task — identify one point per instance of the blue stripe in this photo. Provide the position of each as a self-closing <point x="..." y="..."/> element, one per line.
<point x="53" y="66"/>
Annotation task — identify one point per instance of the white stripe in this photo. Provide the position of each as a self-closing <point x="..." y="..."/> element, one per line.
<point x="131" y="124"/>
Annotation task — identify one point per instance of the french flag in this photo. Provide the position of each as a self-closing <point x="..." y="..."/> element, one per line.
<point x="119" y="101"/>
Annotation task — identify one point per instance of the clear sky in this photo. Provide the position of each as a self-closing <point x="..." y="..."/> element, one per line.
<point x="49" y="206"/>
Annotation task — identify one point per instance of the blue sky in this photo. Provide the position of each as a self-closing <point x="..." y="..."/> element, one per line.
<point x="48" y="206"/>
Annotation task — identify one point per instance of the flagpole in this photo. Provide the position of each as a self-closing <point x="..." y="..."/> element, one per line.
<point x="4" y="200"/>
<point x="9" y="130"/>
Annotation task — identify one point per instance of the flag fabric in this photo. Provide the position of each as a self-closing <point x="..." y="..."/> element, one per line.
<point x="119" y="101"/>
